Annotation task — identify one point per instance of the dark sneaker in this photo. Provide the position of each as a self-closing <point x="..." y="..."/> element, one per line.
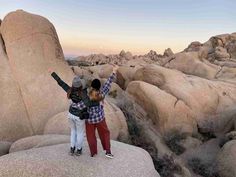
<point x="109" y="155"/>
<point x="78" y="152"/>
<point x="72" y="150"/>
<point x="92" y="155"/>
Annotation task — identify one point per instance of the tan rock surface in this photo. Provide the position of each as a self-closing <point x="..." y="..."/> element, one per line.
<point x="14" y="122"/>
<point x="58" y="124"/>
<point x="54" y="161"/>
<point x="167" y="112"/>
<point x="190" y="63"/>
<point x="33" y="47"/>
<point x="210" y="103"/>
<point x="38" y="141"/>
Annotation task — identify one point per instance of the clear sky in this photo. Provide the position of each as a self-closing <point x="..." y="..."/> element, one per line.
<point x="107" y="26"/>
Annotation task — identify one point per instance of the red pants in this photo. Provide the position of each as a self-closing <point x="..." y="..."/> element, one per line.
<point x="103" y="133"/>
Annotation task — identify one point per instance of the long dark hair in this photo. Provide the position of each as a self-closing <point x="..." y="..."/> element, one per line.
<point x="74" y="90"/>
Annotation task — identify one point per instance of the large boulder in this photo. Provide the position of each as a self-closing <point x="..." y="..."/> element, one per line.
<point x="4" y="147"/>
<point x="210" y="103"/>
<point x="115" y="119"/>
<point x="14" y="122"/>
<point x="194" y="46"/>
<point x="191" y="63"/>
<point x="168" y="113"/>
<point x="102" y="71"/>
<point x="168" y="52"/>
<point x="227" y="74"/>
<point x="33" y="48"/>
<point x="226" y="160"/>
<point x="58" y="124"/>
<point x="38" y="141"/>
<point x="125" y="75"/>
<point x="54" y="161"/>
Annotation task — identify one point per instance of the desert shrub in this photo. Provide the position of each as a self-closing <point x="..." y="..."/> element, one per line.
<point x="200" y="168"/>
<point x="166" y="166"/>
<point x="207" y="136"/>
<point x="113" y="94"/>
<point x="172" y="141"/>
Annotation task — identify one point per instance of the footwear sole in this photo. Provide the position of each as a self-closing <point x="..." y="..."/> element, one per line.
<point x="110" y="157"/>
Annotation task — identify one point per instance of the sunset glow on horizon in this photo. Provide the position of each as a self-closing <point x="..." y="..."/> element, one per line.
<point x="138" y="26"/>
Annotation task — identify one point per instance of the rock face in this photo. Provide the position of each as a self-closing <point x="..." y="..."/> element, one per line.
<point x="190" y="63"/>
<point x="58" y="124"/>
<point x="125" y="75"/>
<point x="54" y="161"/>
<point x="226" y="160"/>
<point x="32" y="48"/>
<point x="38" y="141"/>
<point x="12" y="106"/>
<point x="210" y="103"/>
<point x="168" y="115"/>
<point x="168" y="52"/>
<point x="194" y="46"/>
<point x="114" y="117"/>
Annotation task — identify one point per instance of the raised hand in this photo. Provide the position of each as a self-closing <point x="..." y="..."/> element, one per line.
<point x="115" y="68"/>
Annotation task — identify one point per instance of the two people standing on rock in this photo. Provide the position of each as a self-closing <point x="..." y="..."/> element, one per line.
<point x="87" y="110"/>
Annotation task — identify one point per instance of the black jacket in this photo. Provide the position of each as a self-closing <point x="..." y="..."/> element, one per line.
<point x="75" y="97"/>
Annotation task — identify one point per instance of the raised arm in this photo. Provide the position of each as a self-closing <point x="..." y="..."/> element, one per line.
<point x="60" y="82"/>
<point x="107" y="86"/>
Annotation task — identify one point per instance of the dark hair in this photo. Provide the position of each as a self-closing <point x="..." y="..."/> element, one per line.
<point x="96" y="84"/>
<point x="73" y="90"/>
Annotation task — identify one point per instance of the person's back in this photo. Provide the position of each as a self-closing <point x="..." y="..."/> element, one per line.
<point x="76" y="116"/>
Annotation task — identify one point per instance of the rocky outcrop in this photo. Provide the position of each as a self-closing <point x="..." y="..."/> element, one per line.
<point x="38" y="141"/>
<point x="190" y="63"/>
<point x="210" y="103"/>
<point x="169" y="114"/>
<point x="194" y="46"/>
<point x="32" y="48"/>
<point x="125" y="75"/>
<point x="54" y="161"/>
<point x="14" y="120"/>
<point x="168" y="53"/>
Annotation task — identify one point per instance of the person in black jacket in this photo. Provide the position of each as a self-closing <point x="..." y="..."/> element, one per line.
<point x="77" y="117"/>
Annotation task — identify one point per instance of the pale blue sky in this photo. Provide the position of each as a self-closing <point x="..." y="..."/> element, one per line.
<point x="106" y="26"/>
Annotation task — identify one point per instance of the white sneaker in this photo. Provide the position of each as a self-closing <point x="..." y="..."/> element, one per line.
<point x="109" y="155"/>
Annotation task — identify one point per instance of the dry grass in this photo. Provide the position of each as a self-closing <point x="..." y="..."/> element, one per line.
<point x="203" y="169"/>
<point x="172" y="141"/>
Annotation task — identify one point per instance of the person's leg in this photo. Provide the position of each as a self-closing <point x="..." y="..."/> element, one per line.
<point x="80" y="128"/>
<point x="72" y="133"/>
<point x="91" y="138"/>
<point x="104" y="135"/>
